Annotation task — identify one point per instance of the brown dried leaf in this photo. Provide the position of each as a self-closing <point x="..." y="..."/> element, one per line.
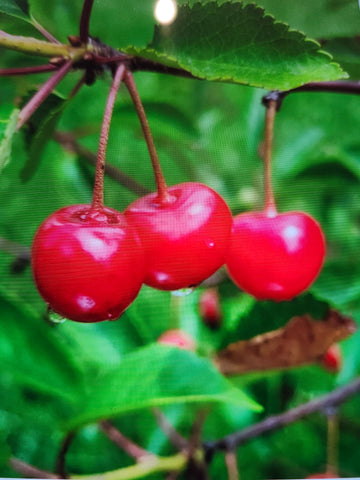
<point x="302" y="340"/>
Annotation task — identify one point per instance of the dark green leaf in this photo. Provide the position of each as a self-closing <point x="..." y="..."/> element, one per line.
<point x="16" y="8"/>
<point x="38" y="132"/>
<point x="32" y="354"/>
<point x="240" y="44"/>
<point x="153" y="376"/>
<point x="8" y="119"/>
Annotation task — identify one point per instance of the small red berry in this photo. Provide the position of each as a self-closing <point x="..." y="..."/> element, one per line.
<point x="177" y="338"/>
<point x="185" y="238"/>
<point x="88" y="264"/>
<point x="275" y="256"/>
<point x="332" y="359"/>
<point x="209" y="307"/>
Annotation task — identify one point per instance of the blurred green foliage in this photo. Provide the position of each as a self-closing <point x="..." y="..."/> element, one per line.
<point x="208" y="132"/>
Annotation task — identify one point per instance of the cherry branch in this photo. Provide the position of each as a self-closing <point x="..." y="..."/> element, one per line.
<point x="85" y="20"/>
<point x="42" y="94"/>
<point x="275" y="422"/>
<point x="33" y="46"/>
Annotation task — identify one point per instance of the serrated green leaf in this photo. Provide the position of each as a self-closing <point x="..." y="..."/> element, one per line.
<point x="7" y="131"/>
<point x="16" y="8"/>
<point x="153" y="376"/>
<point x="234" y="43"/>
<point x="38" y="132"/>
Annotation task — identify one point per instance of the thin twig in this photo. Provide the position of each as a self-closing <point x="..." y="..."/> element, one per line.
<point x="124" y="443"/>
<point x="60" y="464"/>
<point x="172" y="434"/>
<point x="274" y="422"/>
<point x="42" y="94"/>
<point x="85" y="20"/>
<point x="232" y="466"/>
<point x="30" y="471"/>
<point x="8" y="72"/>
<point x="68" y="142"/>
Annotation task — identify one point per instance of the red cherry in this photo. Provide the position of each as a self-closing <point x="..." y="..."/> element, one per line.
<point x="88" y="264"/>
<point x="209" y="307"/>
<point x="275" y="256"/>
<point x="332" y="359"/>
<point x="177" y="338"/>
<point x="185" y="238"/>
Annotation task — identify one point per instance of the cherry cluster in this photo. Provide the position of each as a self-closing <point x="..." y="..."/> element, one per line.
<point x="90" y="261"/>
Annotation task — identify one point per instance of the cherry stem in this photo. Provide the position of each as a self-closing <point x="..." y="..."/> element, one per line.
<point x="269" y="203"/>
<point x="163" y="196"/>
<point x="7" y="72"/>
<point x="42" y="94"/>
<point x="98" y="195"/>
<point x="85" y="20"/>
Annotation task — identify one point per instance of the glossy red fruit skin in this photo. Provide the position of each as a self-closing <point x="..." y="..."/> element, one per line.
<point x="87" y="265"/>
<point x="177" y="338"/>
<point x="185" y="240"/>
<point x="275" y="257"/>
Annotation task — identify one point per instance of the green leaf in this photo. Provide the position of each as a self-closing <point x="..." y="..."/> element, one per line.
<point x="153" y="376"/>
<point x="7" y="131"/>
<point x="16" y="8"/>
<point x="234" y="43"/>
<point x="32" y="353"/>
<point x="38" y="132"/>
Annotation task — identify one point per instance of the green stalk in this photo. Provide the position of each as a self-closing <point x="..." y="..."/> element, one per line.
<point x="33" y="46"/>
<point x="149" y="465"/>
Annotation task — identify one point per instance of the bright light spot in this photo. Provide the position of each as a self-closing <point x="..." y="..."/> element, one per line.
<point x="196" y="209"/>
<point x="86" y="303"/>
<point x="292" y="236"/>
<point x="165" y="11"/>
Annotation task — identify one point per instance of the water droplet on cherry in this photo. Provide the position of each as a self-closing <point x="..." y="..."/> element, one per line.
<point x="54" y="317"/>
<point x="183" y="292"/>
